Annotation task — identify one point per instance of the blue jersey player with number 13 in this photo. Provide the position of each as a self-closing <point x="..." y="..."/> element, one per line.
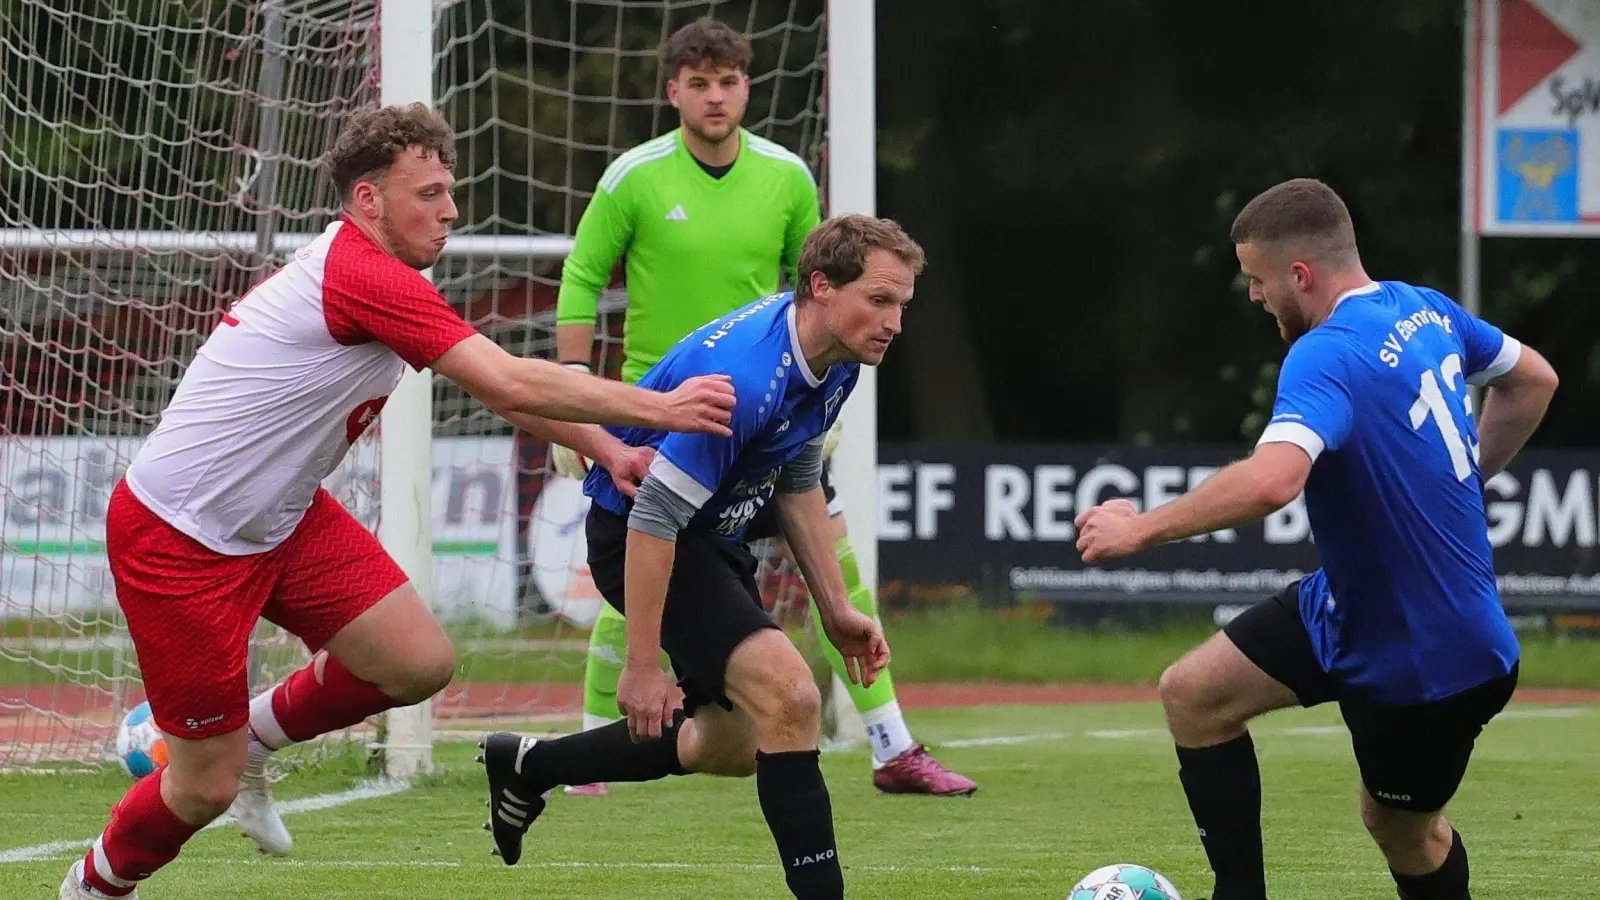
<point x="1402" y="626"/>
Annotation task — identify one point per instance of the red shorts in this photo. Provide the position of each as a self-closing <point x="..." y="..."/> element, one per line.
<point x="191" y="610"/>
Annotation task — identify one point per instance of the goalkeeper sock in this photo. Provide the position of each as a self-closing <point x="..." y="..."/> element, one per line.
<point x="794" y="800"/>
<point x="608" y="647"/>
<point x="144" y="835"/>
<point x="1223" y="784"/>
<point x="880" y="711"/>
<point x="305" y="705"/>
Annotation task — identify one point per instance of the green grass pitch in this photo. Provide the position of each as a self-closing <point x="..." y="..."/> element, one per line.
<point x="1065" y="789"/>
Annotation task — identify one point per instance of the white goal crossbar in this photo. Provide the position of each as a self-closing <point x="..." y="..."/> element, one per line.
<point x="234" y="242"/>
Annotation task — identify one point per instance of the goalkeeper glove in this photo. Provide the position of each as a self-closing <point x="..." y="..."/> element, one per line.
<point x="830" y="442"/>
<point x="567" y="461"/>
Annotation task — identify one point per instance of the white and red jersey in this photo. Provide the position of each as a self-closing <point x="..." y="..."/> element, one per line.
<point x="297" y="370"/>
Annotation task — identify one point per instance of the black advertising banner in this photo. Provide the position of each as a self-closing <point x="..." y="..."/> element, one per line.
<point x="999" y="518"/>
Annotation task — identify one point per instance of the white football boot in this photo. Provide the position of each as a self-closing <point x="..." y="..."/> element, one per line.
<point x="253" y="809"/>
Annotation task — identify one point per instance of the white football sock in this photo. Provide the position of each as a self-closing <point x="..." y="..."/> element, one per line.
<point x="887" y="732"/>
<point x="264" y="727"/>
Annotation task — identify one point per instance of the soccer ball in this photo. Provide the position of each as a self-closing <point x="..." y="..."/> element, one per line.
<point x="1124" y="881"/>
<point x="140" y="745"/>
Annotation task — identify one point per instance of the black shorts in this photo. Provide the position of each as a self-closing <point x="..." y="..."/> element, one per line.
<point x="1411" y="757"/>
<point x="712" y="601"/>
<point x="765" y="523"/>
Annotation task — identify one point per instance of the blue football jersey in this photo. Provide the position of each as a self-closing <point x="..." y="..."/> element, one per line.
<point x="779" y="407"/>
<point x="1405" y="606"/>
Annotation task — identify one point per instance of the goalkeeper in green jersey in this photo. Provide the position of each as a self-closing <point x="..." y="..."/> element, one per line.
<point x="706" y="217"/>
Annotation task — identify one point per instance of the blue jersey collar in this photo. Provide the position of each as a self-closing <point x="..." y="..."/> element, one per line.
<point x="799" y="355"/>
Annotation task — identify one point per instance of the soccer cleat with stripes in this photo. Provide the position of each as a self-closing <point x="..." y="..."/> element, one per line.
<point x="512" y="807"/>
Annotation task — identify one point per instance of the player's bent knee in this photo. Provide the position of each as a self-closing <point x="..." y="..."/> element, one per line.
<point x="428" y="674"/>
<point x="1184" y="694"/>
<point x="201" y="778"/>
<point x="204" y="798"/>
<point x="769" y="679"/>
<point x="397" y="646"/>
<point x="800" y="706"/>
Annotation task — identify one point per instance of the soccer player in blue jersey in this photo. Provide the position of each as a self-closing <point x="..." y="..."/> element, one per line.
<point x="673" y="559"/>
<point x="1402" y="626"/>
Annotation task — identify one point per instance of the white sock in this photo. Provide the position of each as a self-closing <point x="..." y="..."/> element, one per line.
<point x="592" y="721"/>
<point x="887" y="732"/>
<point x="264" y="728"/>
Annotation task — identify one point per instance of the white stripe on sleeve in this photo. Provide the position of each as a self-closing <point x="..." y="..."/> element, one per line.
<point x="1292" y="433"/>
<point x="1504" y="361"/>
<point x="680" y="482"/>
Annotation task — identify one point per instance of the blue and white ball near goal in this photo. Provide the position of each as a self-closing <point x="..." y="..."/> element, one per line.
<point x="140" y="745"/>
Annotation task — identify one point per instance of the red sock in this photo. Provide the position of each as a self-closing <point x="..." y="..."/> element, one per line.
<point x="301" y="707"/>
<point x="143" y="836"/>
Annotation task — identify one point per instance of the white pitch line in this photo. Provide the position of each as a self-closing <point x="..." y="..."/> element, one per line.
<point x="331" y="863"/>
<point x="367" y="790"/>
<point x="750" y="867"/>
<point x="1553" y="712"/>
<point x="1006" y="740"/>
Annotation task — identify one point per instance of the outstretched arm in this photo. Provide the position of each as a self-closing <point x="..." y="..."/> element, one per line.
<point x="1266" y="481"/>
<point x="511" y="384"/>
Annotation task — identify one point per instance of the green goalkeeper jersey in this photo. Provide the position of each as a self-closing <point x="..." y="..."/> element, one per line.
<point x="696" y="247"/>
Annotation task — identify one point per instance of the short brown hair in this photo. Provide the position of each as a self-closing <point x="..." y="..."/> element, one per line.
<point x="374" y="137"/>
<point x="705" y="40"/>
<point x="1302" y="212"/>
<point x="838" y="248"/>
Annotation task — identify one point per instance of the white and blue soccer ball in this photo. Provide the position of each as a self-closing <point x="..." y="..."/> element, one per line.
<point x="141" y="747"/>
<point x="1124" y="881"/>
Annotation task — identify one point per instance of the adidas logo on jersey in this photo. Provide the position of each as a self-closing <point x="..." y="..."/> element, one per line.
<point x="677" y="214"/>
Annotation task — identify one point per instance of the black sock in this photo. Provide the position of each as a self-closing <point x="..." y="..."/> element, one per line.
<point x="1448" y="882"/>
<point x="1223" y="784"/>
<point x="795" y="801"/>
<point x="607" y="754"/>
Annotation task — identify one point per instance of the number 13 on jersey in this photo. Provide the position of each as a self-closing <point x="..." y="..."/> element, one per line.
<point x="1431" y="403"/>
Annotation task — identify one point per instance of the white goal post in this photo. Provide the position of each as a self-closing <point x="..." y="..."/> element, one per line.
<point x="397" y="35"/>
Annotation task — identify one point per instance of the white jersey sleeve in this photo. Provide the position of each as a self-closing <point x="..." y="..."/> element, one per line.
<point x="292" y="376"/>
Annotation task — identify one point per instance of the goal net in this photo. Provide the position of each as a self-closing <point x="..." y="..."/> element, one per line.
<point x="160" y="158"/>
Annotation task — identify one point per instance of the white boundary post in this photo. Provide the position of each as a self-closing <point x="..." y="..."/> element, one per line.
<point x="405" y="57"/>
<point x="852" y="188"/>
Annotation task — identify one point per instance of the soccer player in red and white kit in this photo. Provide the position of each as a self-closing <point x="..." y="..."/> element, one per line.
<point x="221" y="519"/>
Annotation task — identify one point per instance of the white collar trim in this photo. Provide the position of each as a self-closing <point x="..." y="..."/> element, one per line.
<point x="1371" y="287"/>
<point x="799" y="355"/>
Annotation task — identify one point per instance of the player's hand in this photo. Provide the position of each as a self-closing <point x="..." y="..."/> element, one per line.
<point x="860" y="641"/>
<point x="644" y="696"/>
<point x="1109" y="530"/>
<point x="629" y="467"/>
<point x="569" y="462"/>
<point x="703" y="403"/>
